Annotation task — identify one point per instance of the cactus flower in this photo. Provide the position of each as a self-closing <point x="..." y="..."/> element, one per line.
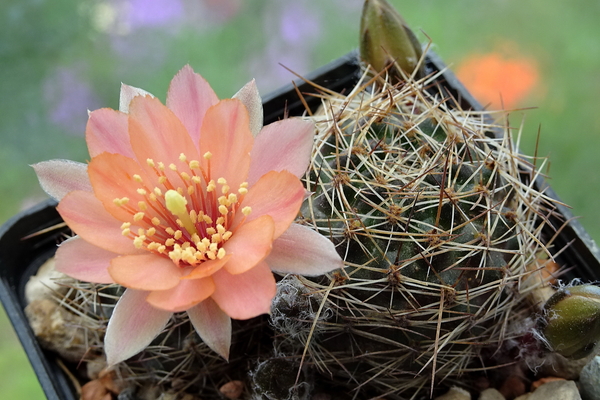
<point x="385" y="38"/>
<point x="571" y="322"/>
<point x="190" y="206"/>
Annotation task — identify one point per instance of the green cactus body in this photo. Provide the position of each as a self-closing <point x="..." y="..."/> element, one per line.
<point x="437" y="231"/>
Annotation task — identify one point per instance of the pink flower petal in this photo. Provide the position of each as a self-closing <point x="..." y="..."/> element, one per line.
<point x="84" y="213"/>
<point x="59" y="177"/>
<point x="133" y="326"/>
<point x="249" y="245"/>
<point x="251" y="98"/>
<point x="213" y="326"/>
<point x="184" y="296"/>
<point x="106" y="131"/>
<point x="127" y="94"/>
<point x="156" y="133"/>
<point x="282" y="145"/>
<point x="207" y="268"/>
<point x="301" y="250"/>
<point x="145" y="272"/>
<point x="226" y="134"/>
<point x="112" y="178"/>
<point x="189" y="97"/>
<point x="245" y="295"/>
<point x="81" y="260"/>
<point x="278" y="194"/>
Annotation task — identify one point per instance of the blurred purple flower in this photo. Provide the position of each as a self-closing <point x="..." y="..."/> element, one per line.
<point x="298" y="23"/>
<point x="67" y="97"/>
<point x="142" y="13"/>
<point x="291" y="43"/>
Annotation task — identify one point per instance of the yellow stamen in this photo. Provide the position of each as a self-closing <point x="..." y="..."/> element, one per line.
<point x="138" y="216"/>
<point x="182" y="158"/>
<point x="246" y="210"/>
<point x="207" y="155"/>
<point x="150" y="162"/>
<point x="211" y="186"/>
<point x="223" y="210"/>
<point x="194" y="164"/>
<point x="142" y="206"/>
<point x="138" y="242"/>
<point x="121" y="202"/>
<point x="194" y="216"/>
<point x="155" y="221"/>
<point x="137" y="178"/>
<point x="173" y="167"/>
<point x="221" y="253"/>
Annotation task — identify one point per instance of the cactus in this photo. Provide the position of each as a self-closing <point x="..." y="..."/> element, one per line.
<point x="440" y="235"/>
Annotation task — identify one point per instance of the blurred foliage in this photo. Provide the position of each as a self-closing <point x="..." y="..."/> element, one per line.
<point x="59" y="58"/>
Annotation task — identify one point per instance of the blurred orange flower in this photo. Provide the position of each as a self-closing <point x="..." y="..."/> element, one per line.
<point x="497" y="80"/>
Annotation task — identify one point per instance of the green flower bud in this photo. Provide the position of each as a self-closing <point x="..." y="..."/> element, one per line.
<point x="571" y="322"/>
<point x="385" y="38"/>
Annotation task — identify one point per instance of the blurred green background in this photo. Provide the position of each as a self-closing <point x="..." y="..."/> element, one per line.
<point x="60" y="58"/>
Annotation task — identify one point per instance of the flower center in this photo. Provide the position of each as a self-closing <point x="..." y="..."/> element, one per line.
<point x="188" y="223"/>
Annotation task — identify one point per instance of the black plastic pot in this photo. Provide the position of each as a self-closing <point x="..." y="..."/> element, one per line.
<point x="20" y="258"/>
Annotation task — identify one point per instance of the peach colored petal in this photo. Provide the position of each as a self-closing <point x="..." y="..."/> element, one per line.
<point x="184" y="296"/>
<point x="132" y="326"/>
<point x="225" y="132"/>
<point x="282" y="145"/>
<point x="156" y="133"/>
<point x="111" y="176"/>
<point x="106" y="131"/>
<point x="301" y="250"/>
<point x="278" y="194"/>
<point x="189" y="97"/>
<point x="212" y="325"/>
<point x="251" y="98"/>
<point x="81" y="260"/>
<point x="245" y="295"/>
<point x="207" y="268"/>
<point x="145" y="272"/>
<point x="59" y="177"/>
<point x="127" y="94"/>
<point x="250" y="244"/>
<point x="84" y="213"/>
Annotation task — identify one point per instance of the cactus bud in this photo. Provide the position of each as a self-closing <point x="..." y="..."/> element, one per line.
<point x="571" y="322"/>
<point x="385" y="39"/>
